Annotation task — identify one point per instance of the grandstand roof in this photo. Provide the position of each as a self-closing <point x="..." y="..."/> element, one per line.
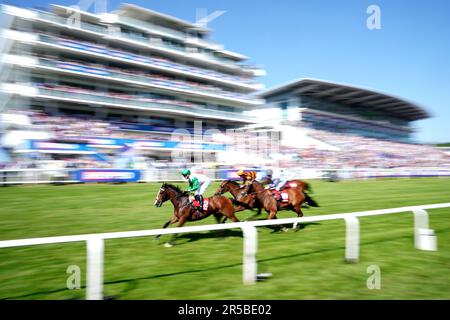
<point x="137" y="12"/>
<point x="350" y="95"/>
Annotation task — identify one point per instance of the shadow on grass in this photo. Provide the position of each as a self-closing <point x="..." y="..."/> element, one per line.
<point x="223" y="234"/>
<point x="216" y="234"/>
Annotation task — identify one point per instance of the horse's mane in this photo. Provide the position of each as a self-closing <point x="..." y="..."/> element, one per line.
<point x="233" y="182"/>
<point x="175" y="188"/>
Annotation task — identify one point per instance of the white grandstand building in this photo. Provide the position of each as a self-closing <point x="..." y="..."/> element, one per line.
<point x="96" y="84"/>
<point x="138" y="68"/>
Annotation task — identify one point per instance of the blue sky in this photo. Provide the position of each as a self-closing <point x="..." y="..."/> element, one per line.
<point x="328" y="39"/>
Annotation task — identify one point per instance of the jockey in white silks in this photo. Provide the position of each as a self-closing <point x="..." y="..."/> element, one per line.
<point x="278" y="178"/>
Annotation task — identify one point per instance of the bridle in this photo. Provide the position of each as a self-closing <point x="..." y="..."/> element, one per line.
<point x="163" y="190"/>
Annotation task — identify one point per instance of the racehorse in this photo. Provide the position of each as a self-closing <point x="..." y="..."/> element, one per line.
<point x="183" y="210"/>
<point x="296" y="183"/>
<point x="300" y="185"/>
<point x="239" y="193"/>
<point x="245" y="201"/>
<point x="267" y="200"/>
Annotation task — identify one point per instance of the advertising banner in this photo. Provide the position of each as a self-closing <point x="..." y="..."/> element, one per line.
<point x="107" y="175"/>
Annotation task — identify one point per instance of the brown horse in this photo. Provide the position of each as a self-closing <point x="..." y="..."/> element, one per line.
<point x="247" y="199"/>
<point x="239" y="193"/>
<point x="300" y="185"/>
<point x="266" y="199"/>
<point x="242" y="200"/>
<point x="183" y="211"/>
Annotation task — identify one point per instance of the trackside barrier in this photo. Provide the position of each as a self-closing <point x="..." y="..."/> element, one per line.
<point x="95" y="242"/>
<point x="46" y="176"/>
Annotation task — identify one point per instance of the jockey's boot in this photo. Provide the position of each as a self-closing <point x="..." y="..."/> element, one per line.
<point x="199" y="198"/>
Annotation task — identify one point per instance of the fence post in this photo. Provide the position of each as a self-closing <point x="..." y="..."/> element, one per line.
<point x="94" y="286"/>
<point x="351" y="239"/>
<point x="424" y="238"/>
<point x="249" y="267"/>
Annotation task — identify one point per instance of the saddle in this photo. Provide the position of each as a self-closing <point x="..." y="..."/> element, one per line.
<point x="280" y="196"/>
<point x="195" y="204"/>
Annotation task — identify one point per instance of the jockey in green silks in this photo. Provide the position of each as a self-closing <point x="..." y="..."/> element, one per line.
<point x="198" y="183"/>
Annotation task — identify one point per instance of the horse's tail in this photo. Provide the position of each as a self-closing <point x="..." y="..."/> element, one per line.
<point x="308" y="187"/>
<point x="310" y="201"/>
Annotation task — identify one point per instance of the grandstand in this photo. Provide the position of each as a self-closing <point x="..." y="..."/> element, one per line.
<point x="331" y="125"/>
<point x="134" y="72"/>
<point x="343" y="108"/>
<point x="84" y="92"/>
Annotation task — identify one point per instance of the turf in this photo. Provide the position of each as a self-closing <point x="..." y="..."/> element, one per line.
<point x="308" y="264"/>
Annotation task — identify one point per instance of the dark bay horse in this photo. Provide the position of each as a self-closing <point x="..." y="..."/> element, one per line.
<point x="183" y="211"/>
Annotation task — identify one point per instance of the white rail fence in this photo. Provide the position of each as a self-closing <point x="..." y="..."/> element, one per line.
<point x="45" y="176"/>
<point x="95" y="242"/>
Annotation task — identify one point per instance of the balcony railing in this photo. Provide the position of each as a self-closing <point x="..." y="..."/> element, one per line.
<point x="169" y="84"/>
<point x="195" y="110"/>
<point x="132" y="36"/>
<point x="150" y="61"/>
<point x="152" y="27"/>
<point x="68" y="21"/>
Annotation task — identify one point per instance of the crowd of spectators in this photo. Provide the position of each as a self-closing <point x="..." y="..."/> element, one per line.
<point x="347" y="151"/>
<point x="81" y="126"/>
<point x="361" y="152"/>
<point x="113" y="95"/>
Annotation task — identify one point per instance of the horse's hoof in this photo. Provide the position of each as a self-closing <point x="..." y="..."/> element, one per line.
<point x="168" y="245"/>
<point x="284" y="229"/>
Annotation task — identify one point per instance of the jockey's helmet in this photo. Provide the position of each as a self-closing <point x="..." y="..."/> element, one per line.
<point x="269" y="172"/>
<point x="186" y="172"/>
<point x="240" y="173"/>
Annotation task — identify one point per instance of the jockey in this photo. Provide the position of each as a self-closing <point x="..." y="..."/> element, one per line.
<point x="276" y="181"/>
<point x="247" y="176"/>
<point x="268" y="178"/>
<point x="197" y="183"/>
<point x="281" y="180"/>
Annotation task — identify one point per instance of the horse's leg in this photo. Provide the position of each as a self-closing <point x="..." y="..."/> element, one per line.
<point x="272" y="208"/>
<point x="259" y="211"/>
<point x="239" y="208"/>
<point x="298" y="210"/>
<point x="181" y="221"/>
<point x="217" y="216"/>
<point x="227" y="210"/>
<point x="273" y="216"/>
<point x="257" y="214"/>
<point x="168" y="223"/>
